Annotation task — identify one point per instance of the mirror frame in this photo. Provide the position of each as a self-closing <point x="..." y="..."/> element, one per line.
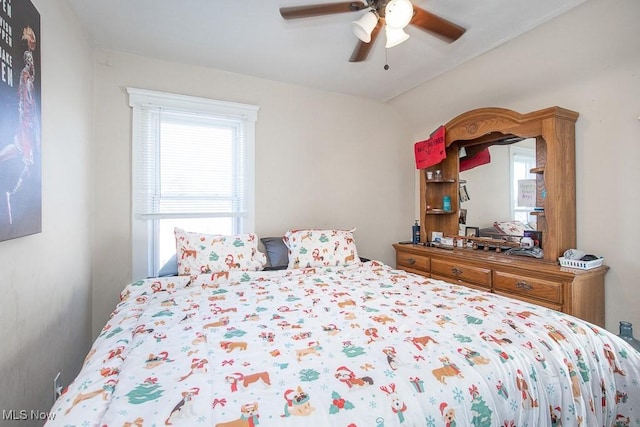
<point x="554" y="131"/>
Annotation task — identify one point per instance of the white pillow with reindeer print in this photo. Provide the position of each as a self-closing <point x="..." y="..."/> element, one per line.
<point x="320" y="248"/>
<point x="199" y="253"/>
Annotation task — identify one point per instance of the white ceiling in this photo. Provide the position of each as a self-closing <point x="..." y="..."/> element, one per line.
<point x="250" y="37"/>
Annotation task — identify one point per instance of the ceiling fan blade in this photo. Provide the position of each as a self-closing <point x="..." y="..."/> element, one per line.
<point x="436" y="25"/>
<point x="362" y="49"/>
<point x="295" y="12"/>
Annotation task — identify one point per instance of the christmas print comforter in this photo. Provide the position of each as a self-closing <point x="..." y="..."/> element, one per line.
<point x="364" y="345"/>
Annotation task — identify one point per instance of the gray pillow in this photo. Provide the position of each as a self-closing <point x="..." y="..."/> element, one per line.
<point x="277" y="251"/>
<point x="170" y="268"/>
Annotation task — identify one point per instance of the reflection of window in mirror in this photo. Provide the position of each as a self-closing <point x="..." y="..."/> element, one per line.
<point x="522" y="160"/>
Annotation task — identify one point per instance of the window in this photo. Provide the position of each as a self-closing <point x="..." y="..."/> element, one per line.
<point x="193" y="167"/>
<point x="522" y="160"/>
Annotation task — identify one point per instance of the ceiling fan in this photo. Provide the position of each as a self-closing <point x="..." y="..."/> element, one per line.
<point x="394" y="15"/>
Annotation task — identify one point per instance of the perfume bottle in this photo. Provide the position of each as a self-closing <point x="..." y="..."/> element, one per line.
<point x="415" y="230"/>
<point x="446" y="203"/>
<point x="626" y="333"/>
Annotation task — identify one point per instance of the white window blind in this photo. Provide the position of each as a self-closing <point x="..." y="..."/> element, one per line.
<point x="192" y="159"/>
<point x="190" y="166"/>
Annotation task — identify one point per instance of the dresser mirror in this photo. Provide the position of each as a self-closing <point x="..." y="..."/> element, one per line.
<point x="492" y="187"/>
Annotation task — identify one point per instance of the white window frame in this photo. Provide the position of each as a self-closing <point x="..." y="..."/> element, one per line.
<point x="144" y="260"/>
<point x="516" y="153"/>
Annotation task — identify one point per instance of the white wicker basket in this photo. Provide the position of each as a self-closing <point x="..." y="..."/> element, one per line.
<point x="582" y="265"/>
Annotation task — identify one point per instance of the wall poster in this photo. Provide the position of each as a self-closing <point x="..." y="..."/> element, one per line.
<point x="20" y="102"/>
<point x="527" y="193"/>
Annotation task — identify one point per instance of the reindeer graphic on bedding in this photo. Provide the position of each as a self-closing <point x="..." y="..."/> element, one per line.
<point x="358" y="346"/>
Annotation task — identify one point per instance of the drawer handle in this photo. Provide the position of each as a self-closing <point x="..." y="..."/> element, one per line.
<point x="521" y="284"/>
<point x="456" y="271"/>
<point x="411" y="261"/>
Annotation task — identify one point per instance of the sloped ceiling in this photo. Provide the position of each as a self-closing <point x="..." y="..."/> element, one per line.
<point x="250" y="37"/>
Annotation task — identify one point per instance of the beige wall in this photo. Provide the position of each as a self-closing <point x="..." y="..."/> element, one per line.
<point x="46" y="278"/>
<point x="587" y="60"/>
<point x="322" y="160"/>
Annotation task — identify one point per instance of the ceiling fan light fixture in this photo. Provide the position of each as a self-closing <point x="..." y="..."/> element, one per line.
<point x="363" y="27"/>
<point x="395" y="36"/>
<point x="398" y="13"/>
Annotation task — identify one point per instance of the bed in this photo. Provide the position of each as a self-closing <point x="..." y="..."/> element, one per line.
<point x="329" y="342"/>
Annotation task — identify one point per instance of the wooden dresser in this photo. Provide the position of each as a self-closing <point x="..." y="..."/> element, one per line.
<point x="572" y="291"/>
<point x="539" y="281"/>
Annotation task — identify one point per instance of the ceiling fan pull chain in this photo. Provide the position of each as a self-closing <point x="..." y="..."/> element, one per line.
<point x="386" y="60"/>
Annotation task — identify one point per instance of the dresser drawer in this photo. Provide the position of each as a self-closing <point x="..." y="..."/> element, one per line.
<point x="461" y="273"/>
<point x="556" y="307"/>
<point x="413" y="261"/>
<point x="528" y="286"/>
<point x="486" y="288"/>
